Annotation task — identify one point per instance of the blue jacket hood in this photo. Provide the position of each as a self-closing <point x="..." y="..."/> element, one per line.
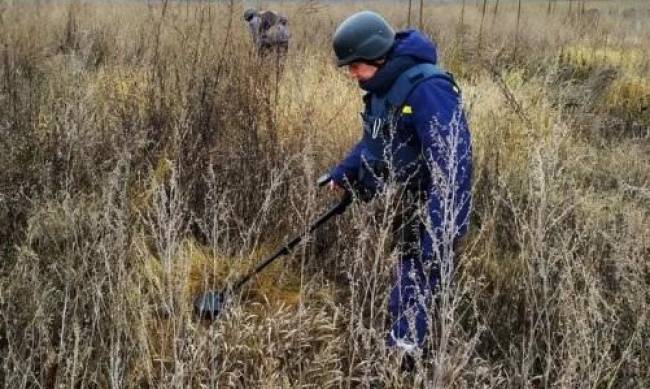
<point x="411" y="47"/>
<point x="415" y="44"/>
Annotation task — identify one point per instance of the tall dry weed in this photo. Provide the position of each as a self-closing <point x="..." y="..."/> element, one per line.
<point x="148" y="154"/>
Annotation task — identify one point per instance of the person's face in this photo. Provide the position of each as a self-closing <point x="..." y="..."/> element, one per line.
<point x="362" y="71"/>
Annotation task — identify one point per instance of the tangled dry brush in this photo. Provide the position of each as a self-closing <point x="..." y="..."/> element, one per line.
<point x="148" y="155"/>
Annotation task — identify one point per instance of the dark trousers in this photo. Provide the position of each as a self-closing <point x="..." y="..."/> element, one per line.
<point x="416" y="276"/>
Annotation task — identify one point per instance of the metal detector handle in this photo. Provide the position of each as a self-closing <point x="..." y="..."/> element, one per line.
<point x="337" y="209"/>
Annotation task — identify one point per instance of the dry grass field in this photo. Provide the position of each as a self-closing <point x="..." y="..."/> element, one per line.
<point x="147" y="154"/>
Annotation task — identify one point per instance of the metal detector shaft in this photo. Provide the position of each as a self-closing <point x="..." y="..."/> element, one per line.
<point x="286" y="249"/>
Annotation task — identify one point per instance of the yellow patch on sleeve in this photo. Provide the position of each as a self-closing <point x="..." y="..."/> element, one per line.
<point x="407" y="109"/>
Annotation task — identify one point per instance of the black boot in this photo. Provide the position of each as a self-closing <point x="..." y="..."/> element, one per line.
<point x="408" y="363"/>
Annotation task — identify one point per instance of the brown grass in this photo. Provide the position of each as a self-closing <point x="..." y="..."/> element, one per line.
<point x="147" y="155"/>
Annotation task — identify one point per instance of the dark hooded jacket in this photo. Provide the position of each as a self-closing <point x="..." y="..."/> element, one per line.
<point x="432" y="124"/>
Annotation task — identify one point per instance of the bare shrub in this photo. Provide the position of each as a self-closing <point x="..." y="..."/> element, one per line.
<point x="148" y="155"/>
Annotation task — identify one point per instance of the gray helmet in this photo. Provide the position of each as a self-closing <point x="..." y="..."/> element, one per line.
<point x="364" y="36"/>
<point x="249" y="13"/>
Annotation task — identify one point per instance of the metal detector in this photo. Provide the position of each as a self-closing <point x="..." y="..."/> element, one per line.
<point x="209" y="304"/>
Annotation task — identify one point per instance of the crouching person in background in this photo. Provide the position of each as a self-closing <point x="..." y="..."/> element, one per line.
<point x="269" y="32"/>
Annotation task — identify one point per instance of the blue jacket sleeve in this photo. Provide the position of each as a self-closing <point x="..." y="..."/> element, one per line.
<point x="441" y="127"/>
<point x="348" y="169"/>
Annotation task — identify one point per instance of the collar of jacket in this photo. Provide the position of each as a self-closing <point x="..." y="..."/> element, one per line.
<point x="381" y="82"/>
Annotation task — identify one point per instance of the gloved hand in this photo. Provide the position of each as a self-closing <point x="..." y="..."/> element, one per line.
<point x="337" y="189"/>
<point x="343" y="190"/>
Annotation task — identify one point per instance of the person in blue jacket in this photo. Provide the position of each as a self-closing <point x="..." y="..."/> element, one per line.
<point x="415" y="135"/>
